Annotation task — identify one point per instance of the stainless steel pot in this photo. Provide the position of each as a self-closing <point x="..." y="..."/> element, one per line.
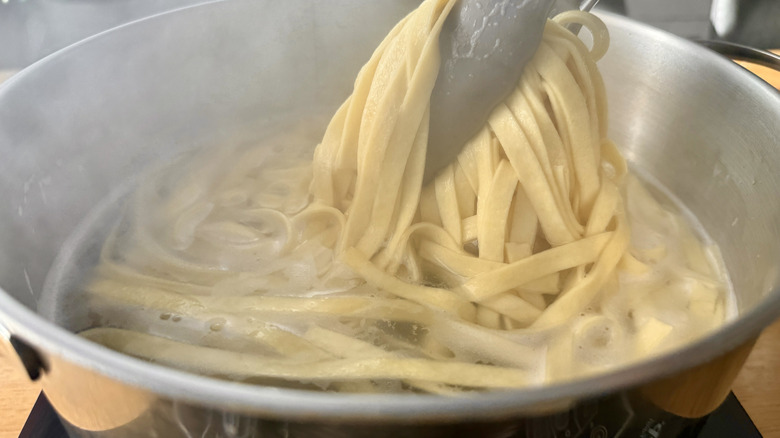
<point x="83" y="121"/>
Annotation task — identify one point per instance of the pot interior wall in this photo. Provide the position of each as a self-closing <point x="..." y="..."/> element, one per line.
<point x="704" y="129"/>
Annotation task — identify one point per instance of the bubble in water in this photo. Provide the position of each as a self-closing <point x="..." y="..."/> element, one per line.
<point x="216" y="324"/>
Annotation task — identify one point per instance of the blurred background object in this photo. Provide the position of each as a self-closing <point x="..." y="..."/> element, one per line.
<point x="753" y="23"/>
<point x="32" y="29"/>
<point x="687" y="18"/>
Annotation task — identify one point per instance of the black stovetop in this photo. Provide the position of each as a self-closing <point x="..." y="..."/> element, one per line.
<point x="728" y="421"/>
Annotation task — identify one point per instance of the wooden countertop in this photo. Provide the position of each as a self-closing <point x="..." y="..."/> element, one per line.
<point x="17" y="397"/>
<point x="757" y="387"/>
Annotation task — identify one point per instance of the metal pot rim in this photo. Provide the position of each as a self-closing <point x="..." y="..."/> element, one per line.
<point x="28" y="326"/>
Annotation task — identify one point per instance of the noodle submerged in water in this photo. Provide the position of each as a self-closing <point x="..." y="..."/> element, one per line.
<point x="535" y="257"/>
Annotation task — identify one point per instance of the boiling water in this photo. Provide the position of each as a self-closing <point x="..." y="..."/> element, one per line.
<point x="61" y="300"/>
<point x="601" y="342"/>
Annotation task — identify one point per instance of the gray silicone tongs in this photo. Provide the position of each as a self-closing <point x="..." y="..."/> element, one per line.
<point x="484" y="47"/>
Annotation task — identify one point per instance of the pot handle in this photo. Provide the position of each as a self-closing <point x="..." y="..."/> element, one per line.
<point x="738" y="52"/>
<point x="11" y="345"/>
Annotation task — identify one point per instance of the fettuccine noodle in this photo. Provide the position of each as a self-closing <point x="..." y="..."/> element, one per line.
<point x="535" y="257"/>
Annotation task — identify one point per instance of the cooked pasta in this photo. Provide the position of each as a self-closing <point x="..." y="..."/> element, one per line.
<point x="535" y="257"/>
